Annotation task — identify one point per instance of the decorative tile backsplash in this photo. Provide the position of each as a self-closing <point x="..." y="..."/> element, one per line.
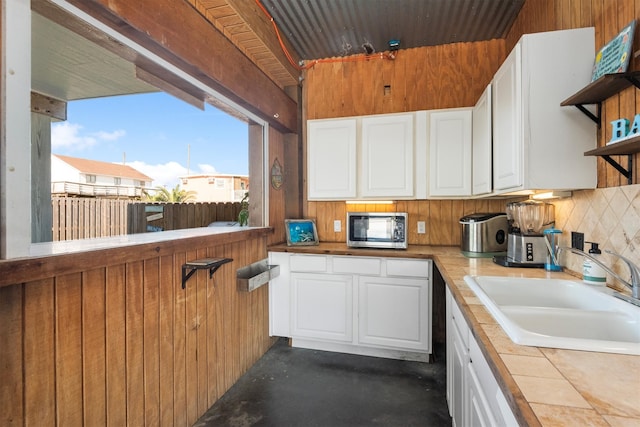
<point x="607" y="216"/>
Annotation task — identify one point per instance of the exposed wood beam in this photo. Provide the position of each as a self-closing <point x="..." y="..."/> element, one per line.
<point x="174" y="31"/>
<point x="263" y="29"/>
<point x="48" y="106"/>
<point x="247" y="27"/>
<point x="173" y="86"/>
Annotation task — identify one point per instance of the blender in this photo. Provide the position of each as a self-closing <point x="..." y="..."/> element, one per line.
<point x="526" y="246"/>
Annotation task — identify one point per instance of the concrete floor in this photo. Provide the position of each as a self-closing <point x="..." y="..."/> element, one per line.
<point x="299" y="387"/>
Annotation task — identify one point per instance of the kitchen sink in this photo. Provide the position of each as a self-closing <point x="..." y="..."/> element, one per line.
<point x="560" y="313"/>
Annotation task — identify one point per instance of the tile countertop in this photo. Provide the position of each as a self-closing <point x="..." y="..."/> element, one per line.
<point x="544" y="386"/>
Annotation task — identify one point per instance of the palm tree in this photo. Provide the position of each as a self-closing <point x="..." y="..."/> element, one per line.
<point x="176" y="195"/>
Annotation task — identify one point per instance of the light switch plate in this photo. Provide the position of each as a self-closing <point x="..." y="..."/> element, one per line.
<point x="421" y="227"/>
<point x="337" y="226"/>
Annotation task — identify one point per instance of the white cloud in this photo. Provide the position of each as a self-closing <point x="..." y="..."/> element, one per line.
<point x="66" y="135"/>
<point x="207" y="168"/>
<point x="167" y="174"/>
<point x="110" y="136"/>
<point x="69" y="136"/>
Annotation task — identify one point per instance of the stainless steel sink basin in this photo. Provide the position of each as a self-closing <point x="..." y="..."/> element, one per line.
<point x="560" y="313"/>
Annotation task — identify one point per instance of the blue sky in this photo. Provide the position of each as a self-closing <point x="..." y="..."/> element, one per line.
<point x="155" y="133"/>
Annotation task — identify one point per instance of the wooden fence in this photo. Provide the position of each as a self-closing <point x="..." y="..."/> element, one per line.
<point x="83" y="218"/>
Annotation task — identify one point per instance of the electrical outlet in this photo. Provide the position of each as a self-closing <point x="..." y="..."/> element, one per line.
<point x="421" y="227"/>
<point x="577" y="240"/>
<point x="337" y="226"/>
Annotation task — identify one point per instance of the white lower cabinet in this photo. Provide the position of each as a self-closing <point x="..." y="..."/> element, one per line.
<point x="363" y="305"/>
<point x="322" y="306"/>
<point x="473" y="394"/>
<point x="394" y="312"/>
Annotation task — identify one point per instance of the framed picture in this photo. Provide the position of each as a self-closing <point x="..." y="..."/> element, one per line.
<point x="301" y="232"/>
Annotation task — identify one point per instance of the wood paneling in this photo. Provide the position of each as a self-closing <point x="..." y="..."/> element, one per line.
<point x="124" y="344"/>
<point x="441" y="217"/>
<point x="39" y="345"/>
<point x="452" y="75"/>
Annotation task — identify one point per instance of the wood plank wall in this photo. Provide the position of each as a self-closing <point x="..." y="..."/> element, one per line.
<point x="277" y="197"/>
<point x="426" y="78"/>
<point x="454" y="75"/>
<point x="608" y="17"/>
<point x="440" y="216"/>
<point x="123" y="344"/>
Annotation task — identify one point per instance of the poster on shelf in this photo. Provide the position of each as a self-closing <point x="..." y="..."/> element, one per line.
<point x="614" y="56"/>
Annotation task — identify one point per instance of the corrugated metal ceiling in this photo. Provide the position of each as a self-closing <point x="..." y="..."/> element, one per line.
<point x="327" y="28"/>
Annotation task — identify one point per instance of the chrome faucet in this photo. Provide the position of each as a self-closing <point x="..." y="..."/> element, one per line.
<point x="635" y="273"/>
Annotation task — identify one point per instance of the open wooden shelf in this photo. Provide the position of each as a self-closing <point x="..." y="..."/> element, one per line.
<point x="603" y="88"/>
<point x="598" y="91"/>
<point x="630" y="146"/>
<point x="627" y="147"/>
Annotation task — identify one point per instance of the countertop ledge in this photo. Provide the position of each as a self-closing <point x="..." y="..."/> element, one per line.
<point x="99" y="243"/>
<point x="66" y="257"/>
<point x="544" y="386"/>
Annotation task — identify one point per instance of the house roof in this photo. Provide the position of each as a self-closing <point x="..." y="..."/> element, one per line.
<point x="96" y="167"/>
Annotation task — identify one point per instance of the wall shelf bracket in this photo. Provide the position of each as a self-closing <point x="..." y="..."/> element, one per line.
<point x="625" y="172"/>
<point x="595" y="117"/>
<point x="211" y="264"/>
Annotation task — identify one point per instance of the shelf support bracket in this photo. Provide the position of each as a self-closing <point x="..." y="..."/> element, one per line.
<point x="594" y="117"/>
<point x="212" y="265"/>
<point x="626" y="173"/>
<point x="632" y="79"/>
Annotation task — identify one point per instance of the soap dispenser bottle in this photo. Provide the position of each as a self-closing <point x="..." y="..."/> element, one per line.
<point x="592" y="273"/>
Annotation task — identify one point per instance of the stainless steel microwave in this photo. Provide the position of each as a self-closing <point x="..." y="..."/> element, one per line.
<point x="377" y="230"/>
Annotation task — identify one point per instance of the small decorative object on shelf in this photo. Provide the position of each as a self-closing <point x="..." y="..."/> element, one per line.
<point x="621" y="132"/>
<point x="301" y="232"/>
<point x="243" y="215"/>
<point x="614" y="56"/>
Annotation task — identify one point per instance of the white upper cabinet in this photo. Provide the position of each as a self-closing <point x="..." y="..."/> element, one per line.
<point x="387" y="156"/>
<point x="507" y="126"/>
<point x="331" y="159"/>
<point x="481" y="170"/>
<point x="537" y="144"/>
<point x="368" y="157"/>
<point x="450" y="152"/>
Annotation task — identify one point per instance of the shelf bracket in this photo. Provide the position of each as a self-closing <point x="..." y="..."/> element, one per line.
<point x="632" y="79"/>
<point x="594" y="117"/>
<point x="626" y="173"/>
<point x="211" y="264"/>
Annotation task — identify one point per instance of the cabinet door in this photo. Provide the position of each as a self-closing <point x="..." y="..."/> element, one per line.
<point x="394" y="312"/>
<point x="479" y="411"/>
<point x="279" y="297"/>
<point x="322" y="306"/>
<point x="331" y="159"/>
<point x="481" y="151"/>
<point x="460" y="390"/>
<point x="507" y="123"/>
<point x="450" y="153"/>
<point x="387" y="156"/>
